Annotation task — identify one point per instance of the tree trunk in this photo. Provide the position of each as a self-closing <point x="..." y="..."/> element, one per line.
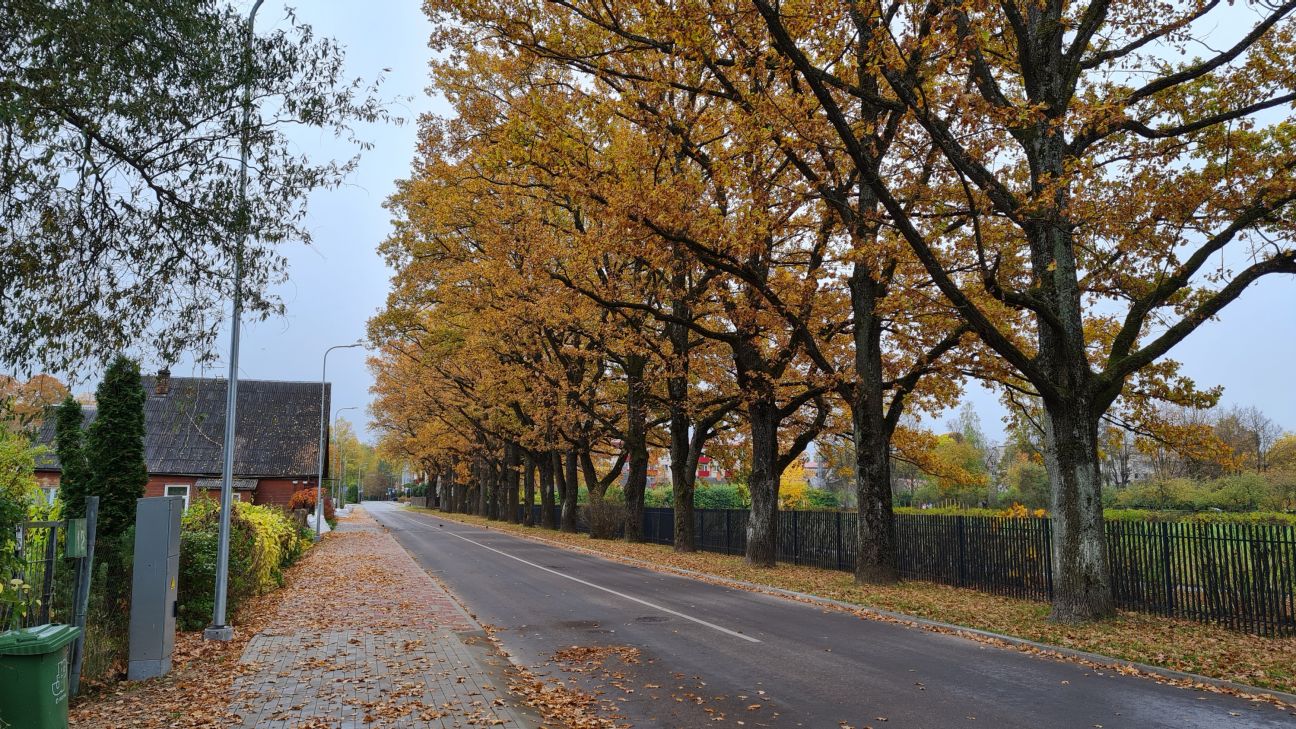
<point x="483" y="488"/>
<point x="683" y="477"/>
<point x="546" y="467"/>
<point x="636" y="443"/>
<point x="1082" y="587"/>
<point x="565" y="476"/>
<point x="495" y="508"/>
<point x="763" y="483"/>
<point x="528" y="480"/>
<point x="511" y="483"/>
<point x="876" y="559"/>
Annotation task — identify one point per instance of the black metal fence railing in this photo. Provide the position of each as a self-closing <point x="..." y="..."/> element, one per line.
<point x="1242" y="576"/>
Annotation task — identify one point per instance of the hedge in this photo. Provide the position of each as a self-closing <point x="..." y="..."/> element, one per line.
<point x="263" y="541"/>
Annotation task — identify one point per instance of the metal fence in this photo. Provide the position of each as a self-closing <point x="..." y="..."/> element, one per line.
<point x="54" y="560"/>
<point x="1242" y="576"/>
<point x="38" y="548"/>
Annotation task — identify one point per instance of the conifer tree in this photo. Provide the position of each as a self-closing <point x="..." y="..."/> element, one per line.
<point x="115" y="452"/>
<point x="69" y="440"/>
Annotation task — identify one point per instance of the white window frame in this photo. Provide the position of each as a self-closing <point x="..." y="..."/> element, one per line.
<point x="166" y="491"/>
<point x="50" y="493"/>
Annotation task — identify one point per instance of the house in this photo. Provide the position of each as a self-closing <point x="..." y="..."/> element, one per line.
<point x="277" y="438"/>
<point x="708" y="472"/>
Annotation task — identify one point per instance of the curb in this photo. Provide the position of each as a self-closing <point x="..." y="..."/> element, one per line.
<point x="1178" y="677"/>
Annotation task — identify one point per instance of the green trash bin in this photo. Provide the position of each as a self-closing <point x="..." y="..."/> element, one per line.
<point x="34" y="672"/>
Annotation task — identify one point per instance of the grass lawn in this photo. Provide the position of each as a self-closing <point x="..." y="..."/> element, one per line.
<point x="1166" y="642"/>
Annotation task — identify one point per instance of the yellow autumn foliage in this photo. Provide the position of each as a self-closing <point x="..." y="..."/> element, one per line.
<point x="793" y="486"/>
<point x="276" y="543"/>
<point x="1017" y="511"/>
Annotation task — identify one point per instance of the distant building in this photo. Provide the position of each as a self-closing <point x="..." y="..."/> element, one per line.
<point x="277" y="447"/>
<point x="708" y="472"/>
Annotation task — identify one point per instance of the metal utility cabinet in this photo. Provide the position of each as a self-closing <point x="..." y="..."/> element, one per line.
<point x="153" y="586"/>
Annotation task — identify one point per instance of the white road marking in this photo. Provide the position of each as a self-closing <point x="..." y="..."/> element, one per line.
<point x="608" y="590"/>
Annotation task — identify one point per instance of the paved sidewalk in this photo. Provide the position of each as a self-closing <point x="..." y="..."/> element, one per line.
<point x="370" y="641"/>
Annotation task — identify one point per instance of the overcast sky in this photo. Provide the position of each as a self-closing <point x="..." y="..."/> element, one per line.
<point x="338" y="283"/>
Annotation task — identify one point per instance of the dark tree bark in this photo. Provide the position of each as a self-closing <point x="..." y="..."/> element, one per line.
<point x="636" y="445"/>
<point x="496" y="507"/>
<point x="683" y="475"/>
<point x="763" y="481"/>
<point x="565" y="478"/>
<point x="529" y="482"/>
<point x="511" y="466"/>
<point x="546" y="466"/>
<point x="483" y="488"/>
<point x="876" y="560"/>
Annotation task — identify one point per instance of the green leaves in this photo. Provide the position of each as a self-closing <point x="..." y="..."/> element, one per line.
<point x="119" y="161"/>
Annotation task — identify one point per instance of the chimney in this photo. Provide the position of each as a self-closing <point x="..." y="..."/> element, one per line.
<point x="163" y="383"/>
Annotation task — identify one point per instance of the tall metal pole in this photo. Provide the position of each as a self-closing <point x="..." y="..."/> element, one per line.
<point x="323" y="444"/>
<point x="218" y="630"/>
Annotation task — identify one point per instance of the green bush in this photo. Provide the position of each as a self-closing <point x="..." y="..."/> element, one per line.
<point x="1243" y="492"/>
<point x="199" y="534"/>
<point x="1205" y="517"/>
<point x="719" y="496"/>
<point x="821" y="500"/>
<point x="263" y="542"/>
<point x="659" y="497"/>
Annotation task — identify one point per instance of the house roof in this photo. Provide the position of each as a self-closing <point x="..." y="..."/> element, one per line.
<point x="277" y="433"/>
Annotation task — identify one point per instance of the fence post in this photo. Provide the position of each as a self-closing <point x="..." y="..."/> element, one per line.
<point x="962" y="552"/>
<point x="85" y="573"/>
<point x="1166" y="563"/>
<point x="839" y="540"/>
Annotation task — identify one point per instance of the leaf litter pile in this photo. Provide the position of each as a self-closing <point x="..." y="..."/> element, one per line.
<point x="1166" y="642"/>
<point x="564" y="706"/>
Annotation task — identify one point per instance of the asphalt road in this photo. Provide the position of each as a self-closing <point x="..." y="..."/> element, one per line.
<point x="707" y="651"/>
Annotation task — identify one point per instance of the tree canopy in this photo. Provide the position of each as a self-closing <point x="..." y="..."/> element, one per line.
<point x="120" y="128"/>
<point x="791" y="220"/>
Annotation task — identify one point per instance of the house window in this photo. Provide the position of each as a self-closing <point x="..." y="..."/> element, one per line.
<point x="178" y="490"/>
<point x="50" y="493"/>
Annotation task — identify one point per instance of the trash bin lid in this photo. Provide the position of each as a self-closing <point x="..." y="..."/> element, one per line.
<point x="37" y="641"/>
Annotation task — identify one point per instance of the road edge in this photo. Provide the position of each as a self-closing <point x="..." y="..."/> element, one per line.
<point x="1182" y="679"/>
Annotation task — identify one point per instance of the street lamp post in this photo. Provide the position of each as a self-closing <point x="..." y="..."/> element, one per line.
<point x="323" y="444"/>
<point x="218" y="630"/>
<point x="340" y="493"/>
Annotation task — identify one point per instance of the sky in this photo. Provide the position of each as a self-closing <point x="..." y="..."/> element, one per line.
<point x="339" y="281"/>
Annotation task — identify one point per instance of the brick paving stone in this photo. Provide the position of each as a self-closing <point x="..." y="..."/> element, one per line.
<point x="365" y="638"/>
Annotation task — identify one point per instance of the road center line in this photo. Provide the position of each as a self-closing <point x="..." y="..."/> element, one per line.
<point x="608" y="590"/>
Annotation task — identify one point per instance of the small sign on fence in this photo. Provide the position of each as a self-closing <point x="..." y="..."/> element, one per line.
<point x="75" y="545"/>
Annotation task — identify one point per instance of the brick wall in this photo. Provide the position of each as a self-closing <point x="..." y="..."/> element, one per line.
<point x="278" y="491"/>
